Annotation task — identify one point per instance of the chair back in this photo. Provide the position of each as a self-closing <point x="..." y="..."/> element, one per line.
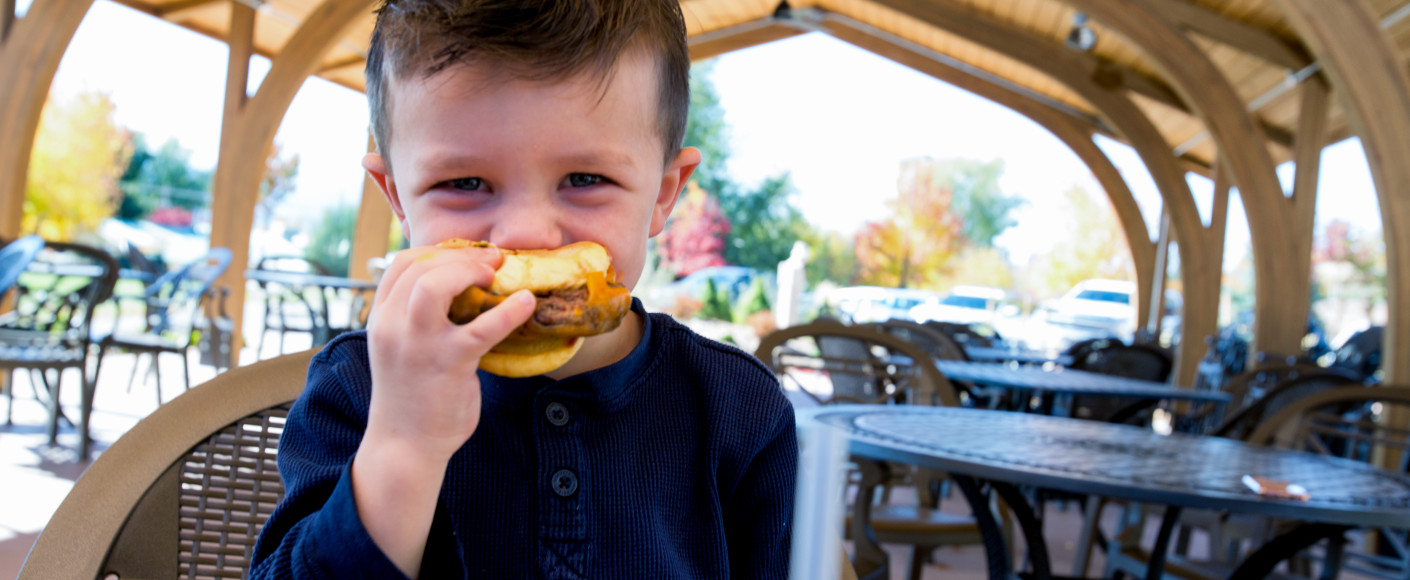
<point x="15" y="257"/>
<point x="1132" y="361"/>
<point x="964" y="334"/>
<point x="862" y="365"/>
<point x="927" y="338"/>
<point x="186" y="492"/>
<point x="174" y="300"/>
<point x="71" y="279"/>
<point x="1361" y="353"/>
<point x="1242" y="423"/>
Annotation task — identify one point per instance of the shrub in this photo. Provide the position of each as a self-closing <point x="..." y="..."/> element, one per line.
<point x="715" y="303"/>
<point x="755" y="299"/>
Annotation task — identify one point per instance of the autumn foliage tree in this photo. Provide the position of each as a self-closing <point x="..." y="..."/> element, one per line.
<point x="695" y="236"/>
<point x="1094" y="247"/>
<point x="913" y="247"/>
<point x="79" y="154"/>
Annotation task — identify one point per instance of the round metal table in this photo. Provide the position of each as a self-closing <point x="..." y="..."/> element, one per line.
<point x="1101" y="459"/>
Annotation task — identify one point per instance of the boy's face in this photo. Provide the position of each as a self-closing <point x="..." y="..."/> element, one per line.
<point x="532" y="164"/>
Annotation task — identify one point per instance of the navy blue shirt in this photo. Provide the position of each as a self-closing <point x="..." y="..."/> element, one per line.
<point x="678" y="461"/>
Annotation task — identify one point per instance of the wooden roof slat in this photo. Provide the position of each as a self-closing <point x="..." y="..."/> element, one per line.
<point x="1264" y="44"/>
<point x="178" y="10"/>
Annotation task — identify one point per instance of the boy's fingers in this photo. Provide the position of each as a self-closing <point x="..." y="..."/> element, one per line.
<point x="431" y="293"/>
<point x="492" y="326"/>
<point x="401" y="278"/>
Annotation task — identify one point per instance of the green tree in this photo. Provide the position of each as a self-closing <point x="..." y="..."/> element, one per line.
<point x="331" y="243"/>
<point x="79" y="154"/>
<point x="161" y="178"/>
<point x="976" y="196"/>
<point x="763" y="222"/>
<point x="834" y="258"/>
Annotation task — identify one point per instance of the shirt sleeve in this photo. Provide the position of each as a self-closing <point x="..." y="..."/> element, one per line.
<point x="315" y="532"/>
<point x="759" y="514"/>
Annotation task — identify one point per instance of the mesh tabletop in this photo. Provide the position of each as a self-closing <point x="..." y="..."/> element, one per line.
<point x="1025" y="357"/>
<point x="1068" y="381"/>
<point x="1122" y="461"/>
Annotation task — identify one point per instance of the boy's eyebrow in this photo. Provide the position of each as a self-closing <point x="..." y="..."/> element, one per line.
<point x="587" y="159"/>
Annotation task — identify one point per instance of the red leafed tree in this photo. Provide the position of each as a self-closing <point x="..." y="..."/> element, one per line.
<point x="695" y="236"/>
<point x="913" y="247"/>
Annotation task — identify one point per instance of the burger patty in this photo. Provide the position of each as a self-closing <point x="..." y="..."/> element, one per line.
<point x="560" y="307"/>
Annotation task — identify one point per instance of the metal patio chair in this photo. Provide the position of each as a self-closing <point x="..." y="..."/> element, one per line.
<point x="48" y="329"/>
<point x="174" y="313"/>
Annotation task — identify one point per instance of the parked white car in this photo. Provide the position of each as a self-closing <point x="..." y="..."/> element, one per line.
<point x="1096" y="308"/>
<point x="861" y="304"/>
<point x="962" y="305"/>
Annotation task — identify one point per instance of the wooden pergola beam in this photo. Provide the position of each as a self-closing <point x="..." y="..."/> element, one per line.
<point x="1074" y="131"/>
<point x="29" y="58"/>
<point x="1284" y="52"/>
<point x="177" y="10"/>
<point x="7" y="18"/>
<point x="989" y="31"/>
<point x="740" y="36"/>
<point x="248" y="133"/>
<point x="1369" y="77"/>
<point x="1242" y="150"/>
<point x="342" y="63"/>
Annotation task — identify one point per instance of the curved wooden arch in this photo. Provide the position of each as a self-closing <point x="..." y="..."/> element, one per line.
<point x="248" y="133"/>
<point x="1200" y="269"/>
<point x="1070" y="131"/>
<point x="29" y="57"/>
<point x="1366" y="72"/>
<point x="1242" y="150"/>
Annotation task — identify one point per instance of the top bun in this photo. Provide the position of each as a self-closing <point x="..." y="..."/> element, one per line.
<point x="541" y="271"/>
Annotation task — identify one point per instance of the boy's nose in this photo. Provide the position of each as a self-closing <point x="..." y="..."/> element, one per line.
<point x="526" y="228"/>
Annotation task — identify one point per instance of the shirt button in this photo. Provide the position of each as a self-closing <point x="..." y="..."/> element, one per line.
<point x="564" y="482"/>
<point x="557" y="414"/>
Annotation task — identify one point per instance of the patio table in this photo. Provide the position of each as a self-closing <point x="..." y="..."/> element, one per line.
<point x="1007" y="450"/>
<point x="1024" y="357"/>
<point x="1064" y="383"/>
<point x="329" y="288"/>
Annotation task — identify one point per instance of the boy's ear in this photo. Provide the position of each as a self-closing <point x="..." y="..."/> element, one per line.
<point x="381" y="173"/>
<point x="675" y="178"/>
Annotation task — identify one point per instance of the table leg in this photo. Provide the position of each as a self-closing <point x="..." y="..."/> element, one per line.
<point x="1262" y="562"/>
<point x="1155" y="568"/>
<point x="995" y="549"/>
<point x="1032" y="529"/>
<point x="872" y="563"/>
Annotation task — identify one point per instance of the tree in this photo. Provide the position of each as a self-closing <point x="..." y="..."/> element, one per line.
<point x="763" y="224"/>
<point x="161" y="179"/>
<point x="79" y="154"/>
<point x="331" y="244"/>
<point x="695" y="238"/>
<point x="986" y="211"/>
<point x="834" y="258"/>
<point x="913" y="247"/>
<point x="276" y="185"/>
<point x="1095" y="247"/>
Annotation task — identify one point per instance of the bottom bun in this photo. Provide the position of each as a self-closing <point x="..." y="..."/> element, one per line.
<point x="527" y="365"/>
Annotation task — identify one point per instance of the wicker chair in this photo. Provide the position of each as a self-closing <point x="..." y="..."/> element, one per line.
<point x="186" y="491"/>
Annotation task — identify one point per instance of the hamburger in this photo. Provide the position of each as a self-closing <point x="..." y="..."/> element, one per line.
<point x="577" y="296"/>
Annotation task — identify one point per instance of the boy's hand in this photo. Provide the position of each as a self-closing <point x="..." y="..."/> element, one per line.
<point x="425" y="394"/>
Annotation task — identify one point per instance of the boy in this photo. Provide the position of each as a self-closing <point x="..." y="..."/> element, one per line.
<point x="654" y="453"/>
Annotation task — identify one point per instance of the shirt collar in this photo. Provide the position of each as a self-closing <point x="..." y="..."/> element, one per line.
<point x="610" y="387"/>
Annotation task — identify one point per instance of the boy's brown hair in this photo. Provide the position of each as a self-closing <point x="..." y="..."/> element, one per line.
<point x="529" y="39"/>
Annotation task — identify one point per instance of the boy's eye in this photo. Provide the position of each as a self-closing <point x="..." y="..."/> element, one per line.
<point x="583" y="179"/>
<point x="466" y="183"/>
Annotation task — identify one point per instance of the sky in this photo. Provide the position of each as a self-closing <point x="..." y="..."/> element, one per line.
<point x="838" y="119"/>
